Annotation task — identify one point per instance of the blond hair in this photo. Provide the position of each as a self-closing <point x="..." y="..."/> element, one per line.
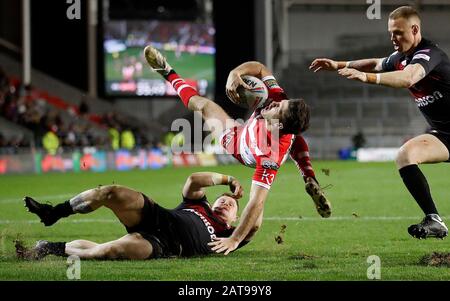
<point x="406" y="12"/>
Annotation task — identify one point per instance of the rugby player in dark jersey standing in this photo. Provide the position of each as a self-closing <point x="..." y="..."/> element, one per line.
<point x="153" y="231"/>
<point x="419" y="65"/>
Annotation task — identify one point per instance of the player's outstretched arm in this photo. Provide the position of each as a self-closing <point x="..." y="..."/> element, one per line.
<point x="366" y="65"/>
<point x="193" y="188"/>
<point x="249" y="224"/>
<point x="234" y="80"/>
<point x="396" y="79"/>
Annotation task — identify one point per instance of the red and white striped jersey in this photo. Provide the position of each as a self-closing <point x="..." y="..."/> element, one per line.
<point x="255" y="146"/>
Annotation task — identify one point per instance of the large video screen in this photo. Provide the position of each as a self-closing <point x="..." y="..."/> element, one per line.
<point x="188" y="46"/>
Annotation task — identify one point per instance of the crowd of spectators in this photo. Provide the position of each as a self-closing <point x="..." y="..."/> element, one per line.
<point x="55" y="129"/>
<point x="138" y="33"/>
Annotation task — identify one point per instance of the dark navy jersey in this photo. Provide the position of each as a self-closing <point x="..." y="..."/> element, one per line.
<point x="201" y="208"/>
<point x="198" y="225"/>
<point x="184" y="231"/>
<point x="432" y="93"/>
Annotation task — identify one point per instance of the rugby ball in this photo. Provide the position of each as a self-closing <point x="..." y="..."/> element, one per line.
<point x="255" y="97"/>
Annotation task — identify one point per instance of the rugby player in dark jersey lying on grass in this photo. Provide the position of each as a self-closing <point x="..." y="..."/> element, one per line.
<point x="153" y="231"/>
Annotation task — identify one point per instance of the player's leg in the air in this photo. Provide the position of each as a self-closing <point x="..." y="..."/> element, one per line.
<point x="215" y="117"/>
<point x="126" y="204"/>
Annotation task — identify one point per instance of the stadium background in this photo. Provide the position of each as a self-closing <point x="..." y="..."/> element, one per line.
<point x="67" y="97"/>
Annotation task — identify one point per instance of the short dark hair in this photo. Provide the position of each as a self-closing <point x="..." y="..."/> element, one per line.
<point x="405" y="12"/>
<point x="296" y="119"/>
<point x="231" y="196"/>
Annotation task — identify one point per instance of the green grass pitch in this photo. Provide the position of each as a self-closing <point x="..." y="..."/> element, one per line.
<point x="371" y="212"/>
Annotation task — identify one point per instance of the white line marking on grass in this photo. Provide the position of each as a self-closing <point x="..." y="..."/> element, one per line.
<point x="345" y="218"/>
<point x="44" y="198"/>
<point x="272" y="218"/>
<point x="68" y="221"/>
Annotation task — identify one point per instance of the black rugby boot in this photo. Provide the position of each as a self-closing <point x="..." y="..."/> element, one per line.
<point x="44" y="211"/>
<point x="431" y="226"/>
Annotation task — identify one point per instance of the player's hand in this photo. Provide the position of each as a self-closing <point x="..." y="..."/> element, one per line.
<point x="323" y="64"/>
<point x="233" y="82"/>
<point x="351" y="73"/>
<point x="223" y="245"/>
<point x="236" y="189"/>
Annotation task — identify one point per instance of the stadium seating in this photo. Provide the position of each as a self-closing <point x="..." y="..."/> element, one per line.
<point x="66" y="100"/>
<point x="340" y="108"/>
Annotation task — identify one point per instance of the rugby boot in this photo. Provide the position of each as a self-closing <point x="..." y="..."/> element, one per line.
<point x="323" y="206"/>
<point x="40" y="250"/>
<point x="157" y="61"/>
<point x="44" y="211"/>
<point x="431" y="226"/>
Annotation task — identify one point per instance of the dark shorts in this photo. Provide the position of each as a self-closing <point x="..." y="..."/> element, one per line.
<point x="172" y="233"/>
<point x="444" y="138"/>
<point x="158" y="227"/>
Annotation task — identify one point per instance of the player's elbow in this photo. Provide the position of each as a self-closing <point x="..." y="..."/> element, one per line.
<point x="256" y="64"/>
<point x="261" y="70"/>
<point x="405" y="82"/>
<point x="408" y="80"/>
<point x="194" y="179"/>
<point x="409" y="83"/>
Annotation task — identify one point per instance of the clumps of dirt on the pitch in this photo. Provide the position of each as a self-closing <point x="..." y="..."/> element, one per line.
<point x="303" y="261"/>
<point x="354" y="214"/>
<point x="436" y="259"/>
<point x="326" y="171"/>
<point x="303" y="256"/>
<point x="22" y="252"/>
<point x="279" y="238"/>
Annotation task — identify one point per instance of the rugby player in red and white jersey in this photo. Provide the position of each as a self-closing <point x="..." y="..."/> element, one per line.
<point x="299" y="149"/>
<point x="263" y="142"/>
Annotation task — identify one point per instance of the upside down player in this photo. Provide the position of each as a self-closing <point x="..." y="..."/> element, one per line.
<point x="421" y="66"/>
<point x="263" y="142"/>
<point x="153" y="231"/>
<point x="299" y="151"/>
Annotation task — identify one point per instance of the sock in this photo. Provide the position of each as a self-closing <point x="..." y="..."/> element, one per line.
<point x="183" y="89"/>
<point x="63" y="210"/>
<point x="57" y="248"/>
<point x="417" y="185"/>
<point x="300" y="154"/>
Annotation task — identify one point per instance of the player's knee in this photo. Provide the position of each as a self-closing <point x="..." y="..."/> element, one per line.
<point x="110" y="192"/>
<point x="405" y="156"/>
